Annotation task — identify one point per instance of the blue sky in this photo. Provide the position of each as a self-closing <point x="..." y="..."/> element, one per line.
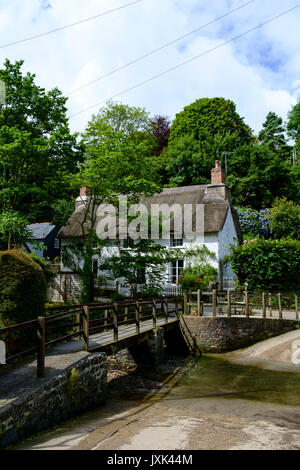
<point x="260" y="72"/>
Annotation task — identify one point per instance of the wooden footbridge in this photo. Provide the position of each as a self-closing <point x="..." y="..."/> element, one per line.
<point x="93" y="327"/>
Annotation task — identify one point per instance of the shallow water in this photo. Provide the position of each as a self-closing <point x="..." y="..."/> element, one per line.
<point x="218" y="405"/>
<point x="214" y="377"/>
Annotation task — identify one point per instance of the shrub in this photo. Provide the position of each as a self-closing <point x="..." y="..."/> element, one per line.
<point x="267" y="265"/>
<point x="254" y="222"/>
<point x="285" y="219"/>
<point x="48" y="273"/>
<point x="22" y="287"/>
<point x="197" y="277"/>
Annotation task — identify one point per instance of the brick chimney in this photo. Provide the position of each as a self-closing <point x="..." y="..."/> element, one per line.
<point x="85" y="194"/>
<point x="218" y="182"/>
<point x="217" y="174"/>
<point x="85" y="191"/>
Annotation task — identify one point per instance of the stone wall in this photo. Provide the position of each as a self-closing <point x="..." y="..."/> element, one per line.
<point x="64" y="287"/>
<point x="78" y="388"/>
<point x="223" y="334"/>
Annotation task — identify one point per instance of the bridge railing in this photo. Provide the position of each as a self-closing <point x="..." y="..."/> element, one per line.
<point x="67" y="323"/>
<point x="241" y="303"/>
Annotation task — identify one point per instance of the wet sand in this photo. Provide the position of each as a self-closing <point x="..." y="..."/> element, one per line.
<point x="216" y="402"/>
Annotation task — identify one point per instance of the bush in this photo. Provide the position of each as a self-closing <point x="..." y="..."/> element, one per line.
<point x="197" y="277"/>
<point x="254" y="222"/>
<point x="48" y="273"/>
<point x="285" y="219"/>
<point x="22" y="287"/>
<point x="267" y="265"/>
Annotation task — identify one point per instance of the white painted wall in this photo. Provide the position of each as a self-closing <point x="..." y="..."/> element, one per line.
<point x="218" y="243"/>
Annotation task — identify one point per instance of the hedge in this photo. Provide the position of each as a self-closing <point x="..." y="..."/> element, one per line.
<point x="267" y="265"/>
<point x="22" y="287"/>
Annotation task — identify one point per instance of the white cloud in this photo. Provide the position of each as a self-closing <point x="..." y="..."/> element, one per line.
<point x="257" y="71"/>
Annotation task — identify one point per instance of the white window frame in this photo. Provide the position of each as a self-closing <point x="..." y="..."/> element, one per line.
<point x="174" y="271"/>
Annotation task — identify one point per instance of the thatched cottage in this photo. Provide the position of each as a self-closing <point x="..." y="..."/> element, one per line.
<point x="221" y="226"/>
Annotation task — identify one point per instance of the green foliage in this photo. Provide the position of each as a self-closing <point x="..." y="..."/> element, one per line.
<point x="48" y="273"/>
<point x="22" y="287"/>
<point x="267" y="265"/>
<point x="143" y="263"/>
<point x="187" y="164"/>
<point x="273" y="136"/>
<point x="198" y="277"/>
<point x="117" y="161"/>
<point x="199" y="135"/>
<point x="257" y="176"/>
<point x="38" y="152"/>
<point x="211" y="116"/>
<point x="285" y="219"/>
<point x="13" y="230"/>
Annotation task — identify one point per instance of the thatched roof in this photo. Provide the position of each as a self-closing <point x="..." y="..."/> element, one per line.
<point x="215" y="208"/>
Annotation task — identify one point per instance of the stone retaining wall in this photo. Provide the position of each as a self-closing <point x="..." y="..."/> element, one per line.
<point x="78" y="388"/>
<point x="222" y="334"/>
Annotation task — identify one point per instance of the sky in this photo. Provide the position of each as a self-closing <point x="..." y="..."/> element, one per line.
<point x="259" y="71"/>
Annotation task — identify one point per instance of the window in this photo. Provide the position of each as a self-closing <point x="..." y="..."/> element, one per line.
<point x="95" y="267"/>
<point x="175" y="241"/>
<point x="176" y="270"/>
<point x="56" y="243"/>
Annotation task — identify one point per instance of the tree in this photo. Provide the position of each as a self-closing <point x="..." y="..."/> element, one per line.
<point x="38" y="152"/>
<point x="199" y="135"/>
<point x="143" y="263"/>
<point x="117" y="161"/>
<point x="211" y="116"/>
<point x="160" y="129"/>
<point x="273" y="136"/>
<point x="284" y="219"/>
<point x="13" y="229"/>
<point x="257" y="176"/>
<point x="187" y="164"/>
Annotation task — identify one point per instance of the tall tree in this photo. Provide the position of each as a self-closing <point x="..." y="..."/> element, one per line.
<point x="37" y="150"/>
<point x="293" y="127"/>
<point x="257" y="176"/>
<point x="272" y="135"/>
<point x="211" y="116"/>
<point x="201" y="133"/>
<point x="117" y="161"/>
<point x="160" y="128"/>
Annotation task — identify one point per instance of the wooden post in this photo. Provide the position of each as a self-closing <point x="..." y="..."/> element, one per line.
<point x="264" y="305"/>
<point x="228" y="303"/>
<point x="270" y="305"/>
<point x="296" y="307"/>
<point x="198" y="302"/>
<point x="41" y="347"/>
<point x="185" y="301"/>
<point x="126" y="314"/>
<point x="246" y="303"/>
<point x="176" y="308"/>
<point x="166" y="309"/>
<point x="279" y="305"/>
<point x="214" y="302"/>
<point x="137" y="318"/>
<point x="115" y="323"/>
<point x="85" y="327"/>
<point x="105" y="319"/>
<point x="154" y="313"/>
<point x="78" y="320"/>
